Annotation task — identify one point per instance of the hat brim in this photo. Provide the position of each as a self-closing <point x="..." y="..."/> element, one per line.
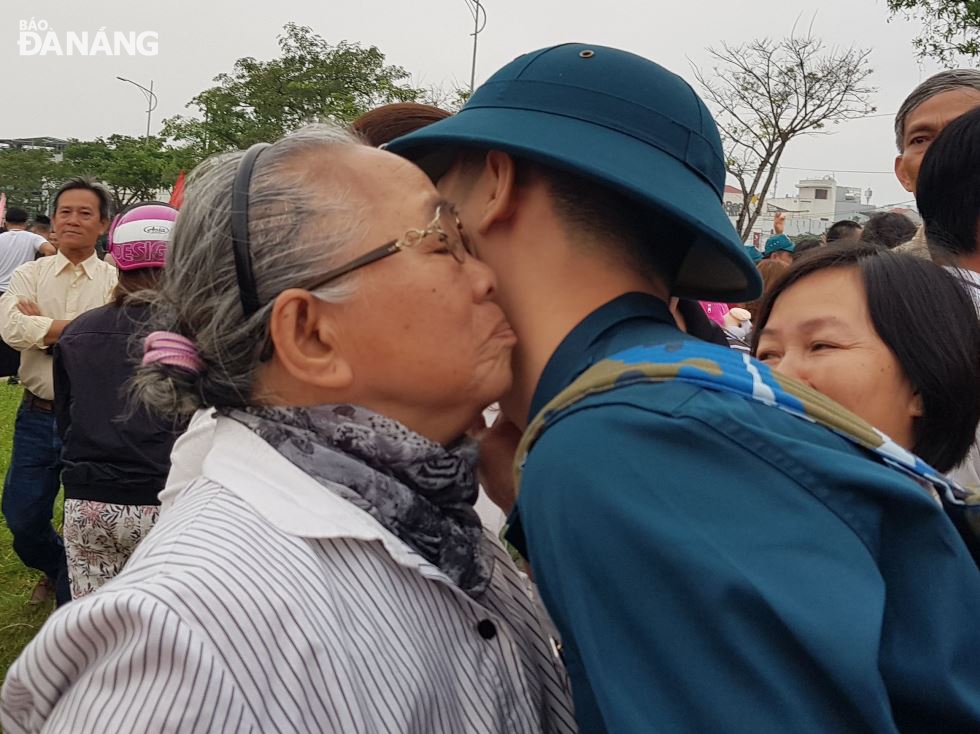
<point x="715" y="267"/>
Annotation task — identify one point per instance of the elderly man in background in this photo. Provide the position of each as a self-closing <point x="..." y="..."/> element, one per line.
<point x="42" y="298"/>
<point x="930" y="107"/>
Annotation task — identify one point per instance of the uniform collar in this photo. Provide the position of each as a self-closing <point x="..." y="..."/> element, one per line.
<point x="577" y="351"/>
<point x="88" y="265"/>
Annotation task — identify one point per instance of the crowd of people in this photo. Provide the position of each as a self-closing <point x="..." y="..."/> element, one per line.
<point x="743" y="485"/>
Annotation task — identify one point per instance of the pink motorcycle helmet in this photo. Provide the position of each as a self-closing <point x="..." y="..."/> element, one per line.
<point x="140" y="235"/>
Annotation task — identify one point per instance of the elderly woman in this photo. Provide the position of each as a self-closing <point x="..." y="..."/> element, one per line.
<point x="327" y="571"/>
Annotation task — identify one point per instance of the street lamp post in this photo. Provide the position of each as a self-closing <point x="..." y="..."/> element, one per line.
<point x="477" y="10"/>
<point x="151" y="100"/>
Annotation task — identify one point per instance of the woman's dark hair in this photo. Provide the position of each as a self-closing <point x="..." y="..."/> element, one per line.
<point x="384" y="124"/>
<point x="947" y="191"/>
<point x="135" y="281"/>
<point x="926" y="317"/>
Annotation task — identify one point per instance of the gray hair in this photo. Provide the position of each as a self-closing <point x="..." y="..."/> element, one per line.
<point x="87" y="183"/>
<point x="297" y="232"/>
<point x="944" y="81"/>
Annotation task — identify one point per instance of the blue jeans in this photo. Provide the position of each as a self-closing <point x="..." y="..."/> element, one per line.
<point x="29" y="493"/>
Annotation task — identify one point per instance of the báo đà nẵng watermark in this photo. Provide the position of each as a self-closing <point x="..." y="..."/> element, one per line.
<point x="37" y="38"/>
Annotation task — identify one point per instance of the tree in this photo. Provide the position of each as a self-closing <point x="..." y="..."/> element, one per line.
<point x="765" y="93"/>
<point x="28" y="176"/>
<point x="950" y="28"/>
<point x="260" y="101"/>
<point x="133" y="169"/>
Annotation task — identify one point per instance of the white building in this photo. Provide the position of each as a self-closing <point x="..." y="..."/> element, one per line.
<point x="818" y="204"/>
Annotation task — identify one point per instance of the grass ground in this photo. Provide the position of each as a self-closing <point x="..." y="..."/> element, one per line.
<point x="18" y="621"/>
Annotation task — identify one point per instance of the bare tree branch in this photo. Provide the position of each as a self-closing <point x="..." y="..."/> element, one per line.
<point x="765" y="93"/>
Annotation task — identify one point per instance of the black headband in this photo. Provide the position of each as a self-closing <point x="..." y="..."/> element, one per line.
<point x="247" y="289"/>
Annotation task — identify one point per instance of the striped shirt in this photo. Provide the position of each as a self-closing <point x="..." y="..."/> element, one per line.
<point x="263" y="602"/>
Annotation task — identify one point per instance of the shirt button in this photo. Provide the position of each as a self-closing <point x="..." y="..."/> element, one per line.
<point x="487" y="629"/>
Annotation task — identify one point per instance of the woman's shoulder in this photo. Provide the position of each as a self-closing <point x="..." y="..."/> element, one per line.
<point x="209" y="536"/>
<point x="60" y="678"/>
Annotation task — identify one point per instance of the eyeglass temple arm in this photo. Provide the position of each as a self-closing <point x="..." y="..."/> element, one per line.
<point x="389" y="248"/>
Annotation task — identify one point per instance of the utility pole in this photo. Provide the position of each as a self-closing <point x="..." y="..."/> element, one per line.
<point x="151" y="101"/>
<point x="476" y="10"/>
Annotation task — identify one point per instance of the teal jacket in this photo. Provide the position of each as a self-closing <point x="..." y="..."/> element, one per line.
<point x="717" y="565"/>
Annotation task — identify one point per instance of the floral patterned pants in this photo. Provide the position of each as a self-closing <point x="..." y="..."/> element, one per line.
<point x="99" y="539"/>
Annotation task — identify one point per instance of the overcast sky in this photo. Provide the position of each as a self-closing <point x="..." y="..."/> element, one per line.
<point x="79" y="97"/>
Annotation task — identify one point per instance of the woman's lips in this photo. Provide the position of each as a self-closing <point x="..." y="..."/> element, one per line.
<point x="503" y="331"/>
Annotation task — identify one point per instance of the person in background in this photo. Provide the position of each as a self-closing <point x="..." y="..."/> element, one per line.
<point x="805" y="245"/>
<point x="42" y="298"/>
<point x="931" y="106"/>
<point x="383" y="124"/>
<point x="715" y="561"/>
<point x="753" y="252"/>
<point x="845" y="231"/>
<point x="116" y="457"/>
<point x="41" y="224"/>
<point x="18" y="245"/>
<point x="779" y="248"/>
<point x="326" y="570"/>
<point x="888" y="229"/>
<point x="948" y="198"/>
<point x="894" y="339"/>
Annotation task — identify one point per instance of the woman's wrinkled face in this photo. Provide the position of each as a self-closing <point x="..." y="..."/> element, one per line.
<point x="426" y="342"/>
<point x="820" y="332"/>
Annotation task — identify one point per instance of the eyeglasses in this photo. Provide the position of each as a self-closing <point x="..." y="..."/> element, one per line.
<point x="445" y="225"/>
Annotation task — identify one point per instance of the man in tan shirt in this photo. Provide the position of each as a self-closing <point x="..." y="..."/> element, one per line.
<point x="43" y="297"/>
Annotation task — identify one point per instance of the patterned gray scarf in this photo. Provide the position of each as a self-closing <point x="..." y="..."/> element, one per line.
<point x="420" y="491"/>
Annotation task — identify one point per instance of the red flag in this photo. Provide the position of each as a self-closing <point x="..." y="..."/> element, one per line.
<point x="177" y="197"/>
<point x="3" y="208"/>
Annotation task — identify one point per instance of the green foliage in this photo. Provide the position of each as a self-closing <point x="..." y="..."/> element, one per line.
<point x="260" y="101"/>
<point x="134" y="169"/>
<point x="28" y="177"/>
<point x="257" y="101"/>
<point x="950" y="28"/>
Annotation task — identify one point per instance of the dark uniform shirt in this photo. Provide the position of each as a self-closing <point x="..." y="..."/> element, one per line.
<point x="112" y="452"/>
<point x="716" y="565"/>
